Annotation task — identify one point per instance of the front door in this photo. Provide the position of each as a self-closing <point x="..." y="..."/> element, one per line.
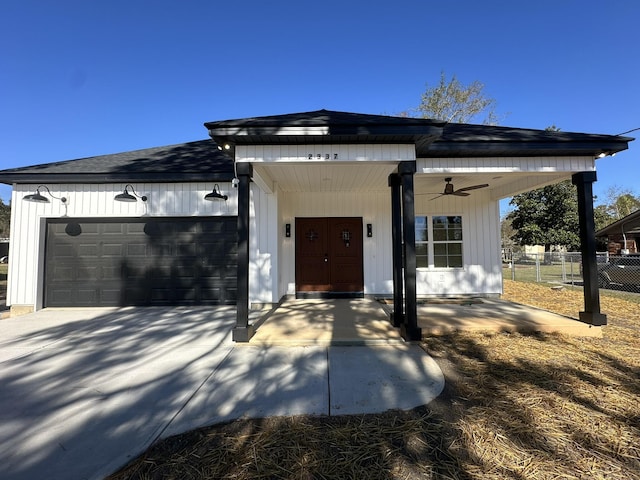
<point x="329" y="256"/>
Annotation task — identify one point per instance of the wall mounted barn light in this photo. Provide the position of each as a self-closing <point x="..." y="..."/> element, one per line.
<point x="127" y="197"/>
<point x="39" y="198"/>
<point x="215" y="194"/>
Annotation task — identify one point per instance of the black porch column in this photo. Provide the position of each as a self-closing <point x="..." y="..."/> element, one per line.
<point x="584" y="185"/>
<point x="409" y="328"/>
<point x="397" y="317"/>
<point x="243" y="331"/>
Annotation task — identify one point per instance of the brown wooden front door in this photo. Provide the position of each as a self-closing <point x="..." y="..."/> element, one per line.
<point x="329" y="255"/>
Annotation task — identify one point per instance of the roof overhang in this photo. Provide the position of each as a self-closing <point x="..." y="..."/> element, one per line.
<point x="432" y="138"/>
<point x="325" y="127"/>
<point x="627" y="225"/>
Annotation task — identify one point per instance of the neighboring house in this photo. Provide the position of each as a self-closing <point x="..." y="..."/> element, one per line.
<point x="310" y="204"/>
<point x="623" y="236"/>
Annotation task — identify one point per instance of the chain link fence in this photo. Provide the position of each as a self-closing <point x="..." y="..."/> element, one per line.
<point x="617" y="272"/>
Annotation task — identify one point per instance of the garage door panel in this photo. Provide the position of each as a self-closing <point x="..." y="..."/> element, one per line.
<point x="87" y="273"/>
<point x="112" y="262"/>
<point x="113" y="228"/>
<point x="136" y="250"/>
<point x="88" y="250"/>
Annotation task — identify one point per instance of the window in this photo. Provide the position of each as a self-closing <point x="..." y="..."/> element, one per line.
<point x="422" y="242"/>
<point x="447" y="242"/>
<point x="446" y="245"/>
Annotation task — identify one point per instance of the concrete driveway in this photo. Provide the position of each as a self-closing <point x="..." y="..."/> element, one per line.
<point x="83" y="391"/>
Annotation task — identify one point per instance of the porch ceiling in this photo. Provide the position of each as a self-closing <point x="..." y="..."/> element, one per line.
<point x="371" y="177"/>
<point x="326" y="177"/>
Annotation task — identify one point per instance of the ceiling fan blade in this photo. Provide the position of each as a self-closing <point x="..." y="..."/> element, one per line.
<point x="458" y="193"/>
<point x="472" y="187"/>
<point x="436" y="197"/>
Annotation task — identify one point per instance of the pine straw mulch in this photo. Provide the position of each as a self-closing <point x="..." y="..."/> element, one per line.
<point x="514" y="406"/>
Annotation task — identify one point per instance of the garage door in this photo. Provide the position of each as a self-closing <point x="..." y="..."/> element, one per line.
<point x="118" y="262"/>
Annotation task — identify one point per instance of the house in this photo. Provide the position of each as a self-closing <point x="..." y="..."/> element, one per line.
<point x="320" y="203"/>
<point x="623" y="236"/>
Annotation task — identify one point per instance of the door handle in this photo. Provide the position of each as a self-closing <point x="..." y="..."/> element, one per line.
<point x="326" y="258"/>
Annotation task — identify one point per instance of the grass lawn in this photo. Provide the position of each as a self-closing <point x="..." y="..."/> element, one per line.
<point x="514" y="407"/>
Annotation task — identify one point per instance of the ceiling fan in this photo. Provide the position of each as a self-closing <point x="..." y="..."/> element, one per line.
<point x="461" y="192"/>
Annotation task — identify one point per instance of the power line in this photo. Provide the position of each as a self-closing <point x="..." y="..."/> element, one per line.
<point x="628" y="131"/>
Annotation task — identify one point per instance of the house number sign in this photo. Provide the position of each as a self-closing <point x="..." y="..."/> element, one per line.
<point x="320" y="156"/>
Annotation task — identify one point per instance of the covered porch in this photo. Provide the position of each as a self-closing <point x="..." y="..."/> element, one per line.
<point x="391" y="173"/>
<point x="366" y="321"/>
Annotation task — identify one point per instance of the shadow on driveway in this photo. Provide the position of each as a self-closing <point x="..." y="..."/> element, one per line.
<point x="86" y="390"/>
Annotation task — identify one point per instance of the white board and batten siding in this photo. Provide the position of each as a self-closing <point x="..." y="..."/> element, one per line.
<point x="482" y="272"/>
<point x="28" y="220"/>
<point x="372" y="207"/>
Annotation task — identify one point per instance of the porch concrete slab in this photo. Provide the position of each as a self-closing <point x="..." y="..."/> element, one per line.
<point x="442" y="316"/>
<point x="381" y="378"/>
<point x="355" y="321"/>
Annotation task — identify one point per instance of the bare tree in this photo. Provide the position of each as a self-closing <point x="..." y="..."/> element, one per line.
<point x="453" y="102"/>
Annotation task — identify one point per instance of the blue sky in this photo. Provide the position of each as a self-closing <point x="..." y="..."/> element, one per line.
<point x="81" y="78"/>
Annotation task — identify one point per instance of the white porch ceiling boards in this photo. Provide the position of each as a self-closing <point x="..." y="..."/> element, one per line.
<point x="345" y="177"/>
<point x="506" y="176"/>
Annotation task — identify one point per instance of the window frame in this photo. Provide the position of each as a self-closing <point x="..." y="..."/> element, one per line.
<point x="426" y="243"/>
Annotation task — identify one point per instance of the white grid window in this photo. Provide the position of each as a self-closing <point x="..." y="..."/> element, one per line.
<point x="445" y="248"/>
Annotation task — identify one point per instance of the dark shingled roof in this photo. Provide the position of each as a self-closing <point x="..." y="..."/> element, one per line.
<point x="202" y="161"/>
<point x="433" y="138"/>
<point x="325" y="126"/>
<point x="193" y="161"/>
<point x="466" y="140"/>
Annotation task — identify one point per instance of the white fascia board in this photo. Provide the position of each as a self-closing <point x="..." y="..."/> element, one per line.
<point x="326" y="153"/>
<point x="281" y="131"/>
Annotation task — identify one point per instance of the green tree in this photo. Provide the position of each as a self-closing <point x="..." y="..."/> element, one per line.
<point x="5" y="219"/>
<point x="547" y="216"/>
<point x="601" y="217"/>
<point x="454" y="102"/>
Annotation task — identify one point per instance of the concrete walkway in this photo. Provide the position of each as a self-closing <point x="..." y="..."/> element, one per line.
<point x="83" y="391"/>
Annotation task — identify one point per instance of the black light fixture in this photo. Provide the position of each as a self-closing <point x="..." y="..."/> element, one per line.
<point x="127" y="197"/>
<point x="215" y="194"/>
<point x="39" y="198"/>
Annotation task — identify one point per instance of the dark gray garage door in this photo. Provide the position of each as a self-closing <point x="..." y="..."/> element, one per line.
<point x="117" y="262"/>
